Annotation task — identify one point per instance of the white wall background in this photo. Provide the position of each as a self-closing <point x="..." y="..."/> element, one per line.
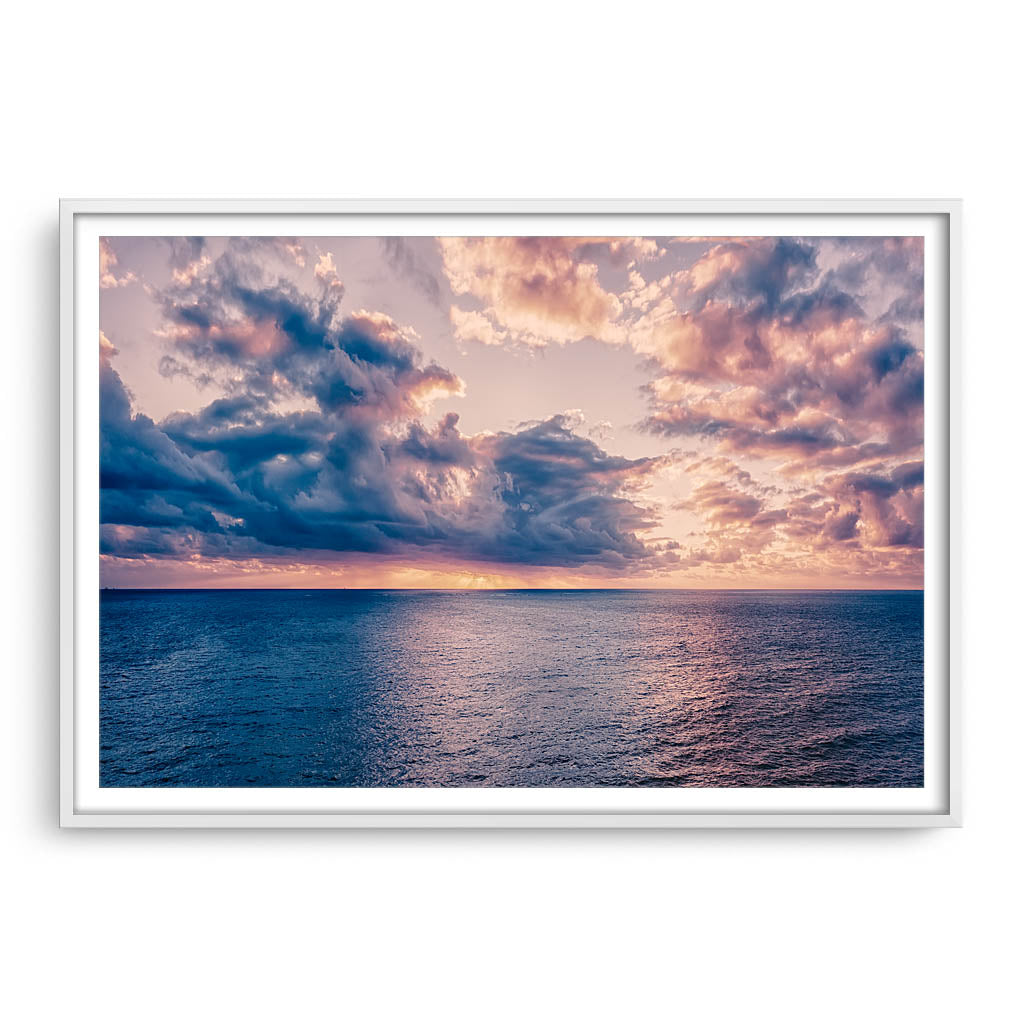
<point x="636" y="99"/>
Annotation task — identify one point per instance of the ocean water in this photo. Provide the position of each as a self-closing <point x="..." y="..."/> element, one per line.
<point x="511" y="688"/>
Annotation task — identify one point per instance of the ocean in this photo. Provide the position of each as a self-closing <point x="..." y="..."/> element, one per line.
<point x="330" y="688"/>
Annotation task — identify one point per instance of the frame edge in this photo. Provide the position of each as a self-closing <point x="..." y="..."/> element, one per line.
<point x="69" y="817"/>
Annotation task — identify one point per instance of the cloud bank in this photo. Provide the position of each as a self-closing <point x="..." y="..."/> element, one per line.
<point x="802" y="358"/>
<point x="320" y="444"/>
<point x="781" y="437"/>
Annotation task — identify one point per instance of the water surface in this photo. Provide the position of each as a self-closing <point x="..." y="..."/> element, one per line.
<point x="511" y="688"/>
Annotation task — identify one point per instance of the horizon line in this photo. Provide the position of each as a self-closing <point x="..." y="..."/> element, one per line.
<point x="470" y="590"/>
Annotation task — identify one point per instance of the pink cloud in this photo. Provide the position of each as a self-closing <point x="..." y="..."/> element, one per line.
<point x="109" y="278"/>
<point x="537" y="288"/>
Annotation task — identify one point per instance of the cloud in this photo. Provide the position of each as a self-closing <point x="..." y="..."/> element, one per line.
<point x="296" y="251"/>
<point x="802" y="358"/>
<point x="107" y="349"/>
<point x="327" y="272"/>
<point x="859" y="523"/>
<point x="793" y="368"/>
<point x="544" y="289"/>
<point x="563" y="493"/>
<point x="261" y="335"/>
<point x="187" y="258"/>
<point x="319" y="447"/>
<point x="146" y="480"/>
<point x="406" y="258"/>
<point x="109" y="277"/>
<point x="469" y="325"/>
<point x="760" y="270"/>
<point x="767" y="354"/>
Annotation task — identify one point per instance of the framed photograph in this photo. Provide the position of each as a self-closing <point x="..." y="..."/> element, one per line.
<point x="509" y="514"/>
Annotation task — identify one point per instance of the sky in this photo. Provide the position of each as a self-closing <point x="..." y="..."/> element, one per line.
<point x="511" y="412"/>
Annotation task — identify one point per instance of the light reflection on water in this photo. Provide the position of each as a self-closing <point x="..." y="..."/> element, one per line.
<point x="511" y="688"/>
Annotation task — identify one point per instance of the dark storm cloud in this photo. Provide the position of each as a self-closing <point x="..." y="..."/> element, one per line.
<point x="445" y="446"/>
<point x="266" y="337"/>
<point x="549" y="460"/>
<point x="135" y="454"/>
<point x="306" y="481"/>
<point x="243" y="434"/>
<point x="562" y="493"/>
<point x="355" y="469"/>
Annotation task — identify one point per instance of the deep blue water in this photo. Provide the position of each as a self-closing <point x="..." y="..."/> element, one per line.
<point x="511" y="688"/>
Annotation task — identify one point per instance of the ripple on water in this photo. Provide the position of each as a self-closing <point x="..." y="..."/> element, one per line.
<point x="525" y="688"/>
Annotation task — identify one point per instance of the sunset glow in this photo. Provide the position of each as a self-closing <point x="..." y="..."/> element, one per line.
<point x="512" y="412"/>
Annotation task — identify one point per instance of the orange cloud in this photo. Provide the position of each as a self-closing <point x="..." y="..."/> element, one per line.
<point x="536" y="288"/>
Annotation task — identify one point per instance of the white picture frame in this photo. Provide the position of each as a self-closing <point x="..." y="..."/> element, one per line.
<point x="939" y="803"/>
